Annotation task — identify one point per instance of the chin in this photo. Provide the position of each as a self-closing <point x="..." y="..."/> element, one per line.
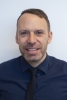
<point x="33" y="59"/>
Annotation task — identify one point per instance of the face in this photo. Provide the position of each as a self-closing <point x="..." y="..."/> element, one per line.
<point x="33" y="37"/>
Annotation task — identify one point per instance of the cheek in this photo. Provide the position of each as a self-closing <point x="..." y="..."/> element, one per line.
<point x="22" y="43"/>
<point x="22" y="40"/>
<point x="44" y="41"/>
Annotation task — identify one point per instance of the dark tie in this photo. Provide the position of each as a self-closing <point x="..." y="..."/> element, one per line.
<point x="31" y="85"/>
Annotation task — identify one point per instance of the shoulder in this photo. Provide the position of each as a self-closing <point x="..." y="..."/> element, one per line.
<point x="10" y="63"/>
<point x="57" y="64"/>
<point x="10" y="68"/>
<point x="56" y="60"/>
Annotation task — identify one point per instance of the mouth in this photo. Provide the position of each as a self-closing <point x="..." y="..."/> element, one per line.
<point x="32" y="50"/>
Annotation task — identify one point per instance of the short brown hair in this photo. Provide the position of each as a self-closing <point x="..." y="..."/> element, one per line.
<point x="37" y="12"/>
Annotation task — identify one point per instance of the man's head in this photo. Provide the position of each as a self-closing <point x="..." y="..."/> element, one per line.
<point x="37" y="12"/>
<point x="33" y="35"/>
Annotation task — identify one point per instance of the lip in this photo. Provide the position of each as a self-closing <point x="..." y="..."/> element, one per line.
<point x="32" y="50"/>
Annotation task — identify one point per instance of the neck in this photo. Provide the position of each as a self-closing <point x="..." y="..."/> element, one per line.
<point x="35" y="64"/>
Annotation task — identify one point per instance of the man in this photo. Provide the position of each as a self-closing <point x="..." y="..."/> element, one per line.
<point x="50" y="80"/>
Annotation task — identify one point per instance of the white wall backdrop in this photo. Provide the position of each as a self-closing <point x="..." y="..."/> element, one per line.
<point x="9" y="12"/>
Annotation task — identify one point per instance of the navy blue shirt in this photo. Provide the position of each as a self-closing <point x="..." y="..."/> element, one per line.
<point x="51" y="79"/>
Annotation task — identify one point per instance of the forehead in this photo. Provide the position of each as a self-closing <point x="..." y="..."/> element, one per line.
<point x="31" y="21"/>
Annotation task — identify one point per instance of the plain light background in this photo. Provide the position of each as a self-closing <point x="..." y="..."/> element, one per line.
<point x="57" y="14"/>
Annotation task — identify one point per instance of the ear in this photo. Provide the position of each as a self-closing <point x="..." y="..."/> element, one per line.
<point x="49" y="37"/>
<point x="16" y="38"/>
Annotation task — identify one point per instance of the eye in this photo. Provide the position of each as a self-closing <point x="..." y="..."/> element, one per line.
<point x="39" y="32"/>
<point x="24" y="33"/>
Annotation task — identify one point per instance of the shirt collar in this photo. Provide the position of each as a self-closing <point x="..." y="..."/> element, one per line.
<point x="43" y="66"/>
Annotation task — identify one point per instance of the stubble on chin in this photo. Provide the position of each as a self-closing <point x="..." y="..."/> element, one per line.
<point x="34" y="58"/>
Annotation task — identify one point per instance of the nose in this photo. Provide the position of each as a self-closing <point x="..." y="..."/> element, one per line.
<point x="32" y="38"/>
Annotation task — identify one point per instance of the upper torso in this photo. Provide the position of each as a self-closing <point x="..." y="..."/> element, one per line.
<point x="51" y="80"/>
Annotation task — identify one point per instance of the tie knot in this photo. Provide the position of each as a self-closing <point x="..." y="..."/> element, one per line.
<point x="33" y="71"/>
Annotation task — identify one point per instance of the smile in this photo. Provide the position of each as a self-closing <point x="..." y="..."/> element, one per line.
<point x="32" y="49"/>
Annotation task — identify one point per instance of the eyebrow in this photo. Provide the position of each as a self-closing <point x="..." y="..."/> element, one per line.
<point x="32" y="30"/>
